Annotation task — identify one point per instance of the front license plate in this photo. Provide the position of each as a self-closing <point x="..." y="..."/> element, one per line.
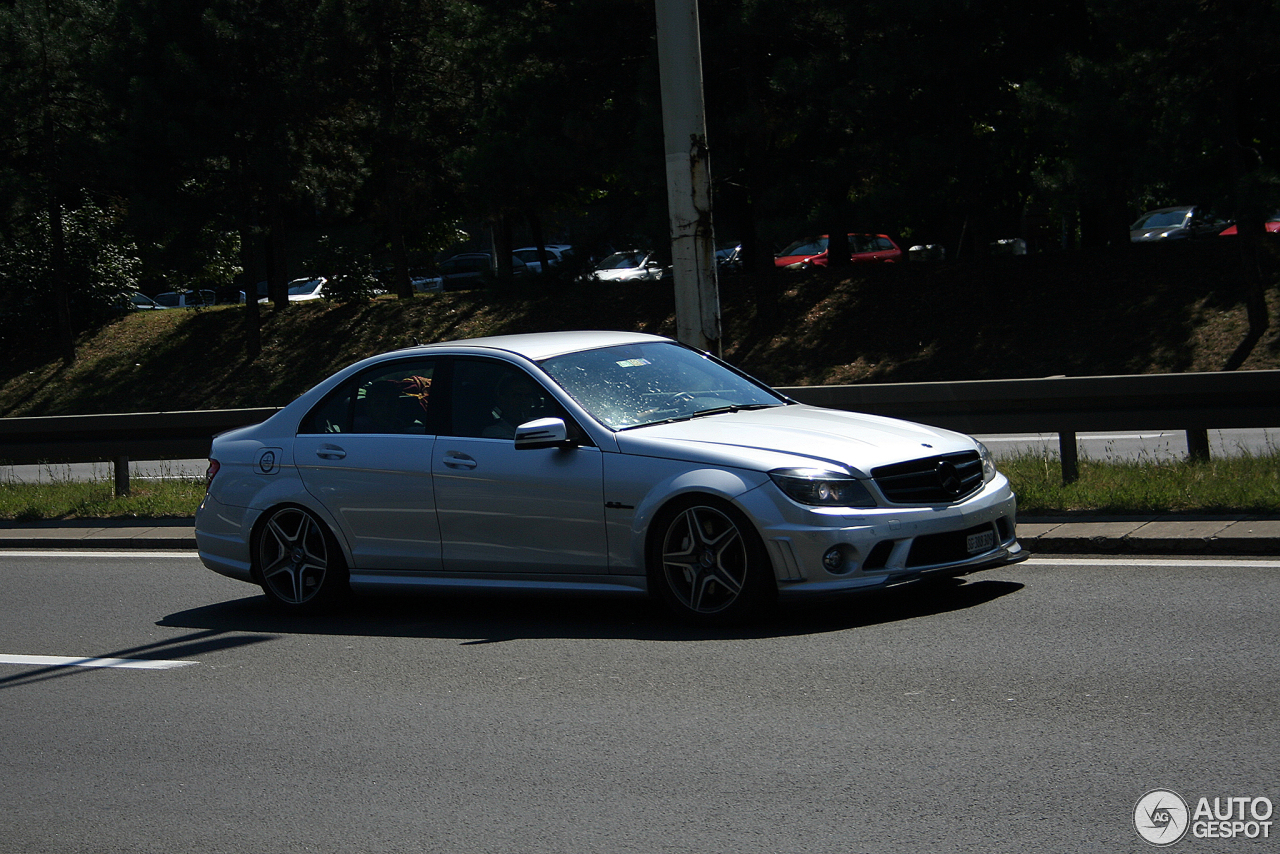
<point x="978" y="543"/>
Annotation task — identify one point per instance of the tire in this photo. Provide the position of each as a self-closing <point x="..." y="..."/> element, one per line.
<point x="298" y="563"/>
<point x="707" y="563"/>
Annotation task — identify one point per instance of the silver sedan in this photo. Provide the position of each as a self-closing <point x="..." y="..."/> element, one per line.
<point x="593" y="462"/>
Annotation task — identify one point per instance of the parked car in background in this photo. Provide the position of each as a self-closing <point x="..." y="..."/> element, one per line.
<point x="186" y="299"/>
<point x="556" y="255"/>
<point x="304" y="289"/>
<point x="729" y="259"/>
<point x="863" y="248"/>
<point x="473" y="269"/>
<point x="591" y="462"/>
<point x="137" y="301"/>
<point x="1273" y="226"/>
<point x="300" y="290"/>
<point x="632" y="265"/>
<point x="1176" y="223"/>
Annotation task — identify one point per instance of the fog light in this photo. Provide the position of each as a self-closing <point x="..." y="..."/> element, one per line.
<point x="833" y="560"/>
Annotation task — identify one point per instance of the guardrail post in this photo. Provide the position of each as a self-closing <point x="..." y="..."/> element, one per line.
<point x="1198" y="445"/>
<point x="122" y="476"/>
<point x="1070" y="458"/>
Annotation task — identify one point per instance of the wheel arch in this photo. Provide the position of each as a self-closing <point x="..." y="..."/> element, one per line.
<point x="714" y="483"/>
<point x="304" y="503"/>
<point x="655" y="527"/>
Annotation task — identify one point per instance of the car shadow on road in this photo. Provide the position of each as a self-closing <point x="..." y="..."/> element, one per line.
<point x="497" y="618"/>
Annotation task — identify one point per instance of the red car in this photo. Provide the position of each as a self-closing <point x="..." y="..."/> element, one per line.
<point x="812" y="251"/>
<point x="1273" y="225"/>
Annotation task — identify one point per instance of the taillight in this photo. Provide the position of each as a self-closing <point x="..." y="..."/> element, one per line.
<point x="208" y="475"/>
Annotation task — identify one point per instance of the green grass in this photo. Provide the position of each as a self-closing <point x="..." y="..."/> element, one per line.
<point x="1248" y="485"/>
<point x="57" y="497"/>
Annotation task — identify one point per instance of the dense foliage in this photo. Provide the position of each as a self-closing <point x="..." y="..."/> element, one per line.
<point x="219" y="143"/>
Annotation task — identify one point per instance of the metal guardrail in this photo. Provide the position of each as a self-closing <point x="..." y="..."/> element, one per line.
<point x="1194" y="403"/>
<point x="119" y="438"/>
<point x="1064" y="406"/>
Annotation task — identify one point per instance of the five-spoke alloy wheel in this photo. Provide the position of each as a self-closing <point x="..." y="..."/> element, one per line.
<point x="708" y="562"/>
<point x="299" y="564"/>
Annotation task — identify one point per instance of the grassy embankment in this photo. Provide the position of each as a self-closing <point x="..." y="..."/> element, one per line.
<point x="1156" y="310"/>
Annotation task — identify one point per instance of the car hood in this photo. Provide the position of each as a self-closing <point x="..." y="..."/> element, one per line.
<point x="794" y="435"/>
<point x="788" y="260"/>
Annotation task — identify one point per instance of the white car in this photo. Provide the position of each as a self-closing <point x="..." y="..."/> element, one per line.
<point x="303" y="290"/>
<point x="300" y="290"/>
<point x="591" y="462"/>
<point x="630" y="266"/>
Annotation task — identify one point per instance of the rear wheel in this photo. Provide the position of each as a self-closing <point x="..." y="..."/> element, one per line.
<point x="298" y="562"/>
<point x="708" y="563"/>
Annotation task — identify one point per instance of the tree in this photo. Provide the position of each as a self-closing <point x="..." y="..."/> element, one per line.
<point x="394" y="62"/>
<point x="50" y="52"/>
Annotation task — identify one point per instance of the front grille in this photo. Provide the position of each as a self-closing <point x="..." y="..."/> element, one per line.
<point x="943" y="479"/>
<point x="948" y="547"/>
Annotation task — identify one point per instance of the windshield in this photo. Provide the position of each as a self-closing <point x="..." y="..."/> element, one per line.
<point x="303" y="287"/>
<point x="1162" y="219"/>
<point x="810" y="246"/>
<point x="622" y="261"/>
<point x="639" y="384"/>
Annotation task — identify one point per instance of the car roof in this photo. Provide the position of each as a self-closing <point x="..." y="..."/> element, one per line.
<point x="537" y="346"/>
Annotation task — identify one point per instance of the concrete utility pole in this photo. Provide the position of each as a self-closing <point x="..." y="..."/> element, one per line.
<point x="693" y="251"/>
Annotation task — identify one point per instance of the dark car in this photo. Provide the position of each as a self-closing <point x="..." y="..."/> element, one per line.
<point x="473" y="269"/>
<point x="1176" y="223"/>
<point x="863" y="248"/>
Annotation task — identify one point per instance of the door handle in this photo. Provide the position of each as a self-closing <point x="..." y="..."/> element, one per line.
<point x="330" y="452"/>
<point x="458" y="460"/>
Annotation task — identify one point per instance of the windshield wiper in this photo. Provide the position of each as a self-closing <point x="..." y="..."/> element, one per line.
<point x="719" y="410"/>
<point x="733" y="407"/>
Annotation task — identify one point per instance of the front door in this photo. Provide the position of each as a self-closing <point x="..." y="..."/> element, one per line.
<point x="503" y="510"/>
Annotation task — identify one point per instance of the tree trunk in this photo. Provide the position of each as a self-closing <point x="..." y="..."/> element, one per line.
<point x="252" y="311"/>
<point x="1250" y="233"/>
<point x="61" y="287"/>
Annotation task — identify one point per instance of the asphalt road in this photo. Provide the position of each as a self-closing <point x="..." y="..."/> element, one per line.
<point x="1027" y="710"/>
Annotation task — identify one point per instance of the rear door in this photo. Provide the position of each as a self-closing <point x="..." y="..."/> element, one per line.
<point x="365" y="453"/>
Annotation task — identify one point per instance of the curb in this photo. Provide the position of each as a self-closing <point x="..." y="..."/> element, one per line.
<point x="149" y="534"/>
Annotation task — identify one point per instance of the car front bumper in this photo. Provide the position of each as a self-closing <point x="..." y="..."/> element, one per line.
<point x="818" y="552"/>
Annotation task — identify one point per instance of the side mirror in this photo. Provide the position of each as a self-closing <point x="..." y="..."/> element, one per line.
<point x="542" y="433"/>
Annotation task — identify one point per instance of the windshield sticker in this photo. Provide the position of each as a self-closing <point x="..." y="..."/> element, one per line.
<point x="634" y="363"/>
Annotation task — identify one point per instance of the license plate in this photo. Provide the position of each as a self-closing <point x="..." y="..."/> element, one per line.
<point x="978" y="543"/>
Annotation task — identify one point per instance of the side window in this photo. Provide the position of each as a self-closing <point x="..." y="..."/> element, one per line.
<point x="392" y="398"/>
<point x="491" y="399"/>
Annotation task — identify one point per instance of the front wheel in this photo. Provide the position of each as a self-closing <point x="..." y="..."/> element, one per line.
<point x="300" y="566"/>
<point x="708" y="563"/>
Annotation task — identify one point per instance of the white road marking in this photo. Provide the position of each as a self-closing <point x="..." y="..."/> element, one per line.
<point x="1190" y="562"/>
<point x="71" y="661"/>
<point x="129" y="553"/>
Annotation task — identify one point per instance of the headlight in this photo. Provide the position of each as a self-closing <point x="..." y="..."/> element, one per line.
<point x="988" y="463"/>
<point x="823" y="488"/>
